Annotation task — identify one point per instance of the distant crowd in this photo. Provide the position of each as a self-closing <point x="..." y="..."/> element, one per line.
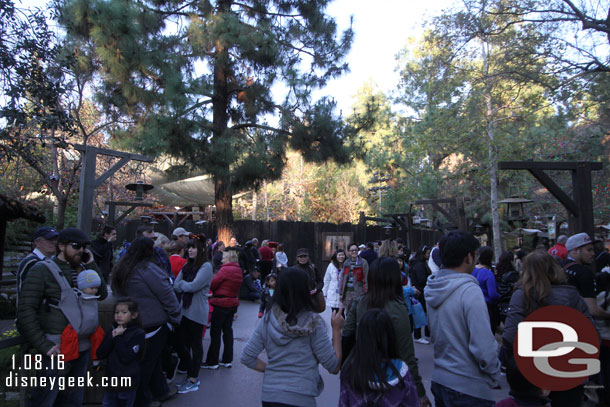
<point x="384" y="298"/>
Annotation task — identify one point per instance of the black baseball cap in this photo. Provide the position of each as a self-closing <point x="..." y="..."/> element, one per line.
<point x="72" y="235"/>
<point x="46" y="232"/>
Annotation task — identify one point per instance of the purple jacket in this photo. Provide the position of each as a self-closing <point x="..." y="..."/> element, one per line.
<point x="402" y="393"/>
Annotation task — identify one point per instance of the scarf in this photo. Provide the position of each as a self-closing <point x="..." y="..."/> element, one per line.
<point x="189" y="272"/>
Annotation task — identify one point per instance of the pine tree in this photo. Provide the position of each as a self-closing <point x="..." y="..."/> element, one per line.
<point x="195" y="80"/>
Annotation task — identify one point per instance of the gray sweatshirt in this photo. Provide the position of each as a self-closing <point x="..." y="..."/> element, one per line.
<point x="200" y="287"/>
<point x="293" y="353"/>
<point x="465" y="350"/>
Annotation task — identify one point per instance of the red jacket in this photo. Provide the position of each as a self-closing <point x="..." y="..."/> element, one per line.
<point x="69" y="343"/>
<point x="266" y="253"/>
<point x="225" y="286"/>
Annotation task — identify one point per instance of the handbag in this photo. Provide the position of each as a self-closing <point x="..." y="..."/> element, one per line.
<point x="419" y="315"/>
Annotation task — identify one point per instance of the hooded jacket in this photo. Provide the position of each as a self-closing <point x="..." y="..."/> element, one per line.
<point x="293" y="353"/>
<point x="465" y="350"/>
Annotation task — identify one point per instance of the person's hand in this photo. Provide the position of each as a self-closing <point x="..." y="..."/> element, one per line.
<point x="260" y="314"/>
<point x="336" y="320"/>
<point x="53" y="351"/>
<point x="118" y="330"/>
<point x="416" y="292"/>
<point x="425" y="402"/>
<point x="90" y="256"/>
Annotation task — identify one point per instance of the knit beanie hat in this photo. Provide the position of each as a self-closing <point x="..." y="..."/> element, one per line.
<point x="88" y="279"/>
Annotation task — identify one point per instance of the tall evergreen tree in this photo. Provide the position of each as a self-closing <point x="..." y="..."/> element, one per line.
<point x="196" y="77"/>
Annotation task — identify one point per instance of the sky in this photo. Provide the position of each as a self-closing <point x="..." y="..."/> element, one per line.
<point x="382" y="29"/>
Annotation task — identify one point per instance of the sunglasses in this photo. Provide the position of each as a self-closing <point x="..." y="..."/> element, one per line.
<point x="303" y="255"/>
<point x="78" y="246"/>
<point x="353" y="250"/>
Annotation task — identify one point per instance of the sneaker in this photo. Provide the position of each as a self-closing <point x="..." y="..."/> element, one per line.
<point x="423" y="341"/>
<point x="188" y="387"/>
<point x="227" y="365"/>
<point x="211" y="367"/>
<point x="503" y="370"/>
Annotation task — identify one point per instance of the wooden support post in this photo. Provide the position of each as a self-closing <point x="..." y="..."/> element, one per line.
<point x="582" y="185"/>
<point x="462" y="223"/>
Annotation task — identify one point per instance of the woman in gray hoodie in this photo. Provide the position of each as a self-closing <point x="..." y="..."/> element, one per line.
<point x="295" y="340"/>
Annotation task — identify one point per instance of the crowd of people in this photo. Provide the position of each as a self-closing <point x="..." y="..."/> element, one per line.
<point x="383" y="297"/>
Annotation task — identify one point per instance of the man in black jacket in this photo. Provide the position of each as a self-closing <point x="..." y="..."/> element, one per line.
<point x="102" y="250"/>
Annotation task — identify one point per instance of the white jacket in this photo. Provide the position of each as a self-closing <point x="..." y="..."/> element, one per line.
<point x="331" y="286"/>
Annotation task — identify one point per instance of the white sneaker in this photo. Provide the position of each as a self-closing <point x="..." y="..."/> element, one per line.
<point x="423" y="341"/>
<point x="228" y="365"/>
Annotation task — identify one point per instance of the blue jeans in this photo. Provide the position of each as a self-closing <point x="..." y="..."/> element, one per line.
<point x="51" y="396"/>
<point x="119" y="399"/>
<point x="446" y="397"/>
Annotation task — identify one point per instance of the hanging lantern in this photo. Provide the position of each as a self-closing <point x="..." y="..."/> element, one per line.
<point x="140" y="188"/>
<point x="514" y="208"/>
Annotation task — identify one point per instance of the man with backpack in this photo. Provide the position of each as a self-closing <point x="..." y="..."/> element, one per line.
<point x="42" y="315"/>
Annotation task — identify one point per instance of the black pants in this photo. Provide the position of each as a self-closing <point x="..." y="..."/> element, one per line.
<point x="494" y="316"/>
<point x="189" y="347"/>
<point x="222" y="322"/>
<point x="152" y="379"/>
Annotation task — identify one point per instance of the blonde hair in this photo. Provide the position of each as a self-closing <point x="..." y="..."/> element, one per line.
<point x="388" y="248"/>
<point x="540" y="273"/>
<point x="229" y="256"/>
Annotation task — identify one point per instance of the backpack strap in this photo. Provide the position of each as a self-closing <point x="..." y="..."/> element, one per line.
<point x="567" y="266"/>
<point x="68" y="303"/>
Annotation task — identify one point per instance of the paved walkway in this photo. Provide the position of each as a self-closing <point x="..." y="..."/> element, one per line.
<point x="240" y="386"/>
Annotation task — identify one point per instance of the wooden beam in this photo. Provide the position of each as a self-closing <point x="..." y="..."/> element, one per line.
<point x="449" y="217"/>
<point x="113" y="153"/>
<point x="546" y="165"/>
<point x="127" y="212"/>
<point x="129" y="203"/>
<point x="555" y="190"/>
<point x="110" y="171"/>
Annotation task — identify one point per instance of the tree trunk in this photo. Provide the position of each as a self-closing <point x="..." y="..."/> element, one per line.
<point x="254" y="204"/>
<point x="493" y="156"/>
<point x="223" y="193"/>
<point x="224" y="208"/>
<point x="62" y="204"/>
<point x="266" y="201"/>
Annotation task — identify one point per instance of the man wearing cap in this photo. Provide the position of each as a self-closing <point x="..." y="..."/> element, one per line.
<point x="181" y="234"/>
<point x="45" y="242"/>
<point x="576" y="265"/>
<point x="39" y="318"/>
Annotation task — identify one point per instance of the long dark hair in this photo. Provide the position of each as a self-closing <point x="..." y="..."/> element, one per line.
<point x="373" y="352"/>
<point x="292" y="293"/>
<point x="505" y="263"/>
<point x="540" y="273"/>
<point x="141" y="250"/>
<point x="384" y="282"/>
<point x="334" y="260"/>
<point x="189" y="271"/>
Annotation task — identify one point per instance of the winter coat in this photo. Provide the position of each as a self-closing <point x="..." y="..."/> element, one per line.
<point x="399" y="313"/>
<point x="123" y="353"/>
<point x="360" y="271"/>
<point x="316" y="278"/>
<point x="35" y="317"/>
<point x="200" y="286"/>
<point x="331" y="286"/>
<point x="150" y="287"/>
<point x="419" y="273"/>
<point x="103" y="255"/>
<point x="465" y="350"/>
<point x="293" y="353"/>
<point x="225" y="286"/>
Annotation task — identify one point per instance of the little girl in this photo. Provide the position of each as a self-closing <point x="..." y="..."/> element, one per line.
<point x="267" y="294"/>
<point x="373" y="374"/>
<point x="123" y="347"/>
